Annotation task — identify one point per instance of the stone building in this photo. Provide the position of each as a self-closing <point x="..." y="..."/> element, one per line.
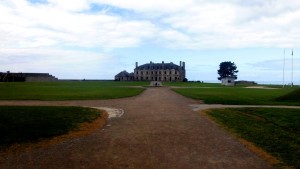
<point x="156" y="72"/>
<point x="124" y="76"/>
<point x="228" y="81"/>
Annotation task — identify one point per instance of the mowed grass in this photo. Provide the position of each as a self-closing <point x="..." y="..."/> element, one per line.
<point x="191" y="84"/>
<point x="27" y="124"/>
<point x="238" y="96"/>
<point x="277" y="131"/>
<point x="69" y="90"/>
<point x="199" y="85"/>
<point x="292" y="96"/>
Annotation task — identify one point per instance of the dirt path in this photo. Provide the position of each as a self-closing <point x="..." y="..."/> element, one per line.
<point x="158" y="130"/>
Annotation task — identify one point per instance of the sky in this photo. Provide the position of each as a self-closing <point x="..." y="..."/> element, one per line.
<point x="96" y="39"/>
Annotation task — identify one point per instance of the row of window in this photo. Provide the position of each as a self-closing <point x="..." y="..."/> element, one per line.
<point x="155" y="72"/>
<point x="157" y="78"/>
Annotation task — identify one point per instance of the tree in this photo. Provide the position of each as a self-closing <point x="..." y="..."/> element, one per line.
<point x="227" y="69"/>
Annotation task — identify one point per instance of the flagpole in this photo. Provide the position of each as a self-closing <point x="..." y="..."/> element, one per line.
<point x="283" y="68"/>
<point x="292" y="68"/>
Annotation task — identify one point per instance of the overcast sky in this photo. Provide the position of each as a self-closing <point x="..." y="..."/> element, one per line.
<point x="96" y="39"/>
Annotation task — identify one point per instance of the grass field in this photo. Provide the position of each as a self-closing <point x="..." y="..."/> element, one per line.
<point x="199" y="84"/>
<point x="191" y="84"/>
<point x="292" y="96"/>
<point x="238" y="96"/>
<point x="22" y="124"/>
<point x="69" y="90"/>
<point x="277" y="131"/>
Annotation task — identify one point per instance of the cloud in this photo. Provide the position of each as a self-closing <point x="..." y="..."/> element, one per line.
<point x="186" y="24"/>
<point x="54" y="24"/>
<point x="54" y="35"/>
<point x="59" y="62"/>
<point x="277" y="65"/>
<point x="222" y="24"/>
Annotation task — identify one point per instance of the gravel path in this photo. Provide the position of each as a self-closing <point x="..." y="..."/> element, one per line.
<point x="158" y="130"/>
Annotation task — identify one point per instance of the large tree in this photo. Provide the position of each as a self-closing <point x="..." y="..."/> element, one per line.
<point x="227" y="69"/>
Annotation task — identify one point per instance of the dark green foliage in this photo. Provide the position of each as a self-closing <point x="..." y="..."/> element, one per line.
<point x="292" y="96"/>
<point x="227" y="69"/>
<point x="23" y="124"/>
<point x="277" y="131"/>
<point x="68" y="90"/>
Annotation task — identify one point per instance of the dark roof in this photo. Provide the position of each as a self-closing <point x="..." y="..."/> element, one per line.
<point x="153" y="66"/>
<point x="124" y="74"/>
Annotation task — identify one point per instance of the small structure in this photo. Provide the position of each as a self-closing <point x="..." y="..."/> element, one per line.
<point x="155" y="83"/>
<point x="228" y="81"/>
<point x="124" y="76"/>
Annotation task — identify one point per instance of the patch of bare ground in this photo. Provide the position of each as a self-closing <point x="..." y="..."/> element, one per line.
<point x="259" y="87"/>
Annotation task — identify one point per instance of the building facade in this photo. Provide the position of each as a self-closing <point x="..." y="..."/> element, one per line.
<point x="124" y="76"/>
<point x="228" y="81"/>
<point x="156" y="72"/>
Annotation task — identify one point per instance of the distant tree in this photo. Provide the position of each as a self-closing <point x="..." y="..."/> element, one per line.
<point x="185" y="80"/>
<point x="227" y="69"/>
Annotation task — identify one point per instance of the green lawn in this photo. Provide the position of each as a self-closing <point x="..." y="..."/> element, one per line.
<point x="69" y="90"/>
<point x="191" y="84"/>
<point x="23" y="124"/>
<point x="292" y="96"/>
<point x="239" y="96"/>
<point x="199" y="85"/>
<point x="277" y="131"/>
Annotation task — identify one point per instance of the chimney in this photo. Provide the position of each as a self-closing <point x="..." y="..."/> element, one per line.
<point x="180" y="64"/>
<point x="183" y="65"/>
<point x="136" y="64"/>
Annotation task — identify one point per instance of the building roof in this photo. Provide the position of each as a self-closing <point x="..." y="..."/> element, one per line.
<point x="153" y="66"/>
<point x="124" y="74"/>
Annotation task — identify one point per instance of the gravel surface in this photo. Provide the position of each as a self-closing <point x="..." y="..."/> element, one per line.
<point x="158" y="130"/>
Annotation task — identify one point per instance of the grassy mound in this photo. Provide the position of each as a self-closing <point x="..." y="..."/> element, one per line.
<point x="27" y="124"/>
<point x="292" y="96"/>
